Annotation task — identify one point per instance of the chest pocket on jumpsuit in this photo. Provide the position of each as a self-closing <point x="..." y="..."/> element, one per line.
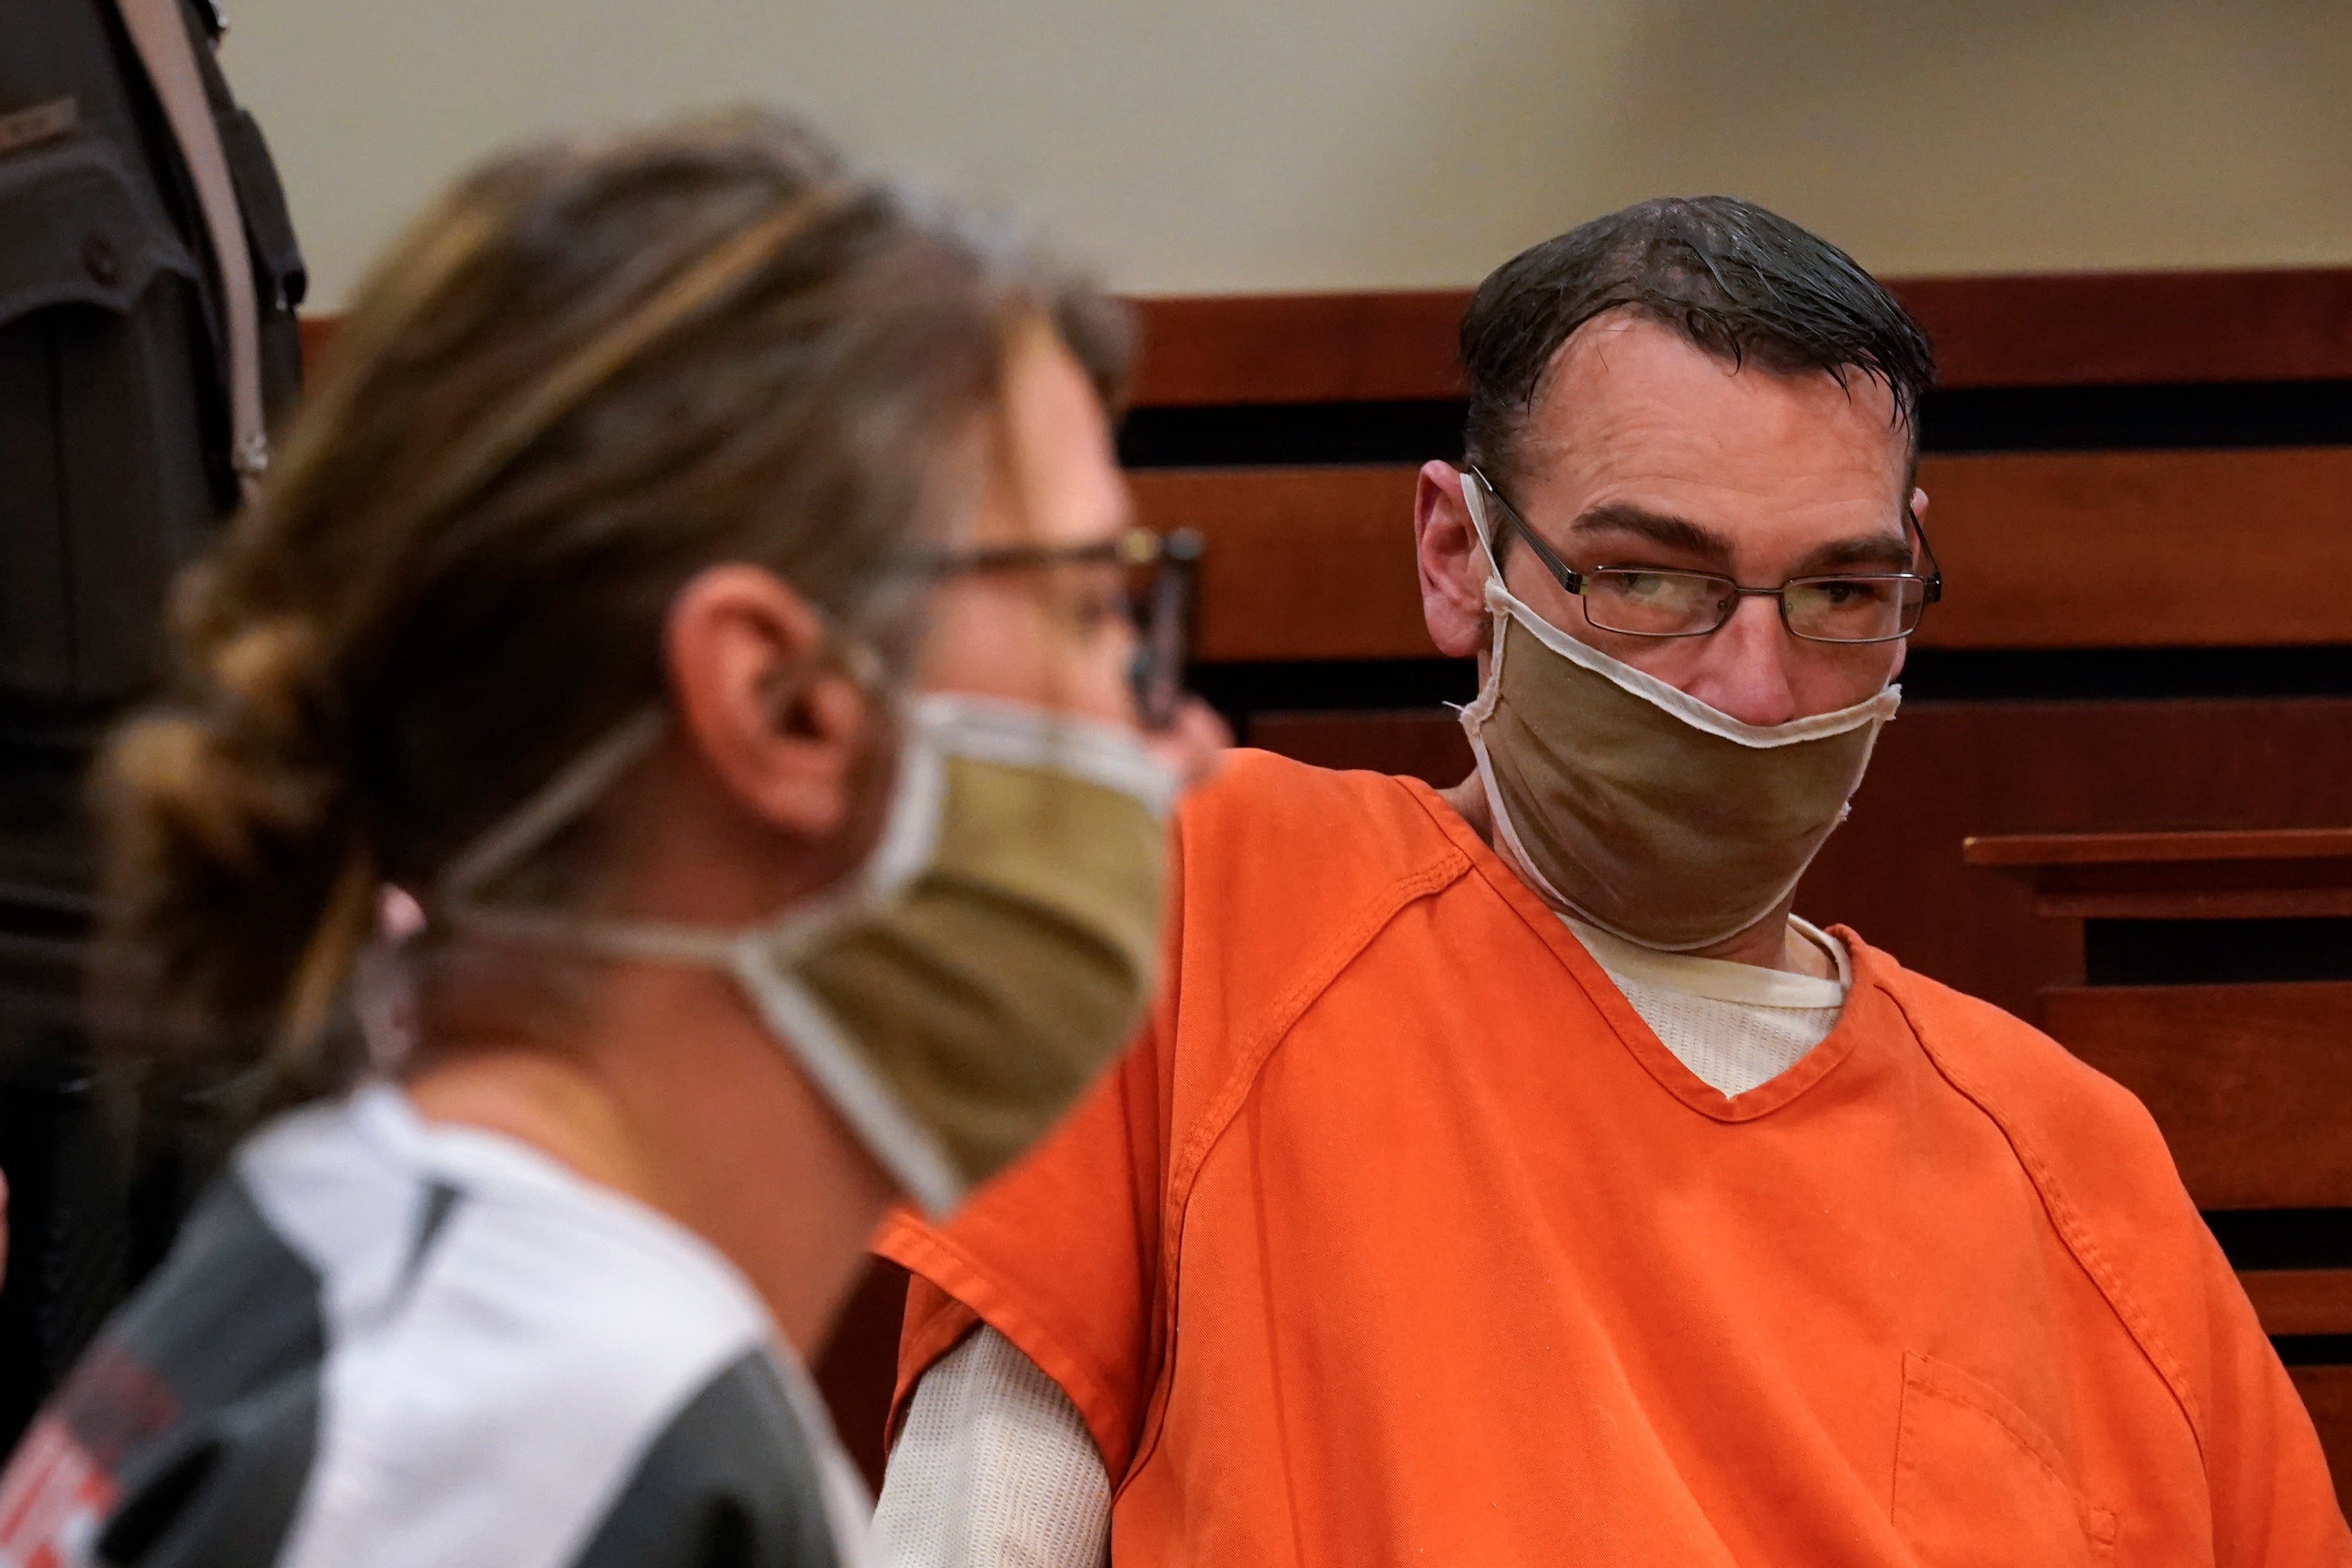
<point x="1978" y="1485"/>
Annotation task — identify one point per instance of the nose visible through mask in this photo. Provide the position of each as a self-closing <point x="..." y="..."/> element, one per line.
<point x="1637" y="808"/>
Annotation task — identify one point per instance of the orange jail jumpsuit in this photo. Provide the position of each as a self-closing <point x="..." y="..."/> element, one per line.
<point x="1400" y="1238"/>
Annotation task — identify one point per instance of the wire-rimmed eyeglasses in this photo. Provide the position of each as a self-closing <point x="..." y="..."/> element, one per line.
<point x="1162" y="572"/>
<point x="1655" y="601"/>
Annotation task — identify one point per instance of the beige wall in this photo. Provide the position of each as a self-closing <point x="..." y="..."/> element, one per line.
<point x="1229" y="145"/>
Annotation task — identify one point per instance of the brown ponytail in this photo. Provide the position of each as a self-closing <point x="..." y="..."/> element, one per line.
<point x="590" y="371"/>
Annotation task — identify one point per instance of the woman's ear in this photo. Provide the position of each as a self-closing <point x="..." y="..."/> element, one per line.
<point x="780" y="730"/>
<point x="1451" y="560"/>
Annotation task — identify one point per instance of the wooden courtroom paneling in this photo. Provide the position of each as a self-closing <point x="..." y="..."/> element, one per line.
<point x="2098" y="853"/>
<point x="2102" y="327"/>
<point x="2035" y="330"/>
<point x="2327" y="1394"/>
<point x="2301" y="1301"/>
<point x="2251" y="1085"/>
<point x="1298" y="347"/>
<point x="2274" y="874"/>
<point x="1211" y="349"/>
<point x="2064" y="549"/>
<point x="2118" y="550"/>
<point x="1944" y="771"/>
<point x="1302" y="563"/>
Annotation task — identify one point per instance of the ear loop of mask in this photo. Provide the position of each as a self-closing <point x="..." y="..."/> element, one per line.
<point x="565" y="798"/>
<point x="1474" y="717"/>
<point x="758" y="957"/>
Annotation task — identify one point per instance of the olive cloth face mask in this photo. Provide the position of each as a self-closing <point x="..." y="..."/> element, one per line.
<point x="992" y="954"/>
<point x="1637" y="808"/>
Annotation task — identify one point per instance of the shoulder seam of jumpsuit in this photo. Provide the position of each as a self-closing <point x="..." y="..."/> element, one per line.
<point x="2072" y="1228"/>
<point x="1327" y="967"/>
<point x="1400" y="895"/>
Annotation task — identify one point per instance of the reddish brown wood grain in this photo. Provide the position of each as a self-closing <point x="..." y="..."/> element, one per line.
<point x="1298" y="347"/>
<point x="2079" y="550"/>
<point x="1302" y="563"/>
<point x="2035" y="330"/>
<point x="2032" y="851"/>
<point x="2301" y="1301"/>
<point x="1944" y="771"/>
<point x="2103" y="328"/>
<point x="2286" y="874"/>
<point x="2251" y="1085"/>
<point x="2327" y="1394"/>
<point x="2121" y="549"/>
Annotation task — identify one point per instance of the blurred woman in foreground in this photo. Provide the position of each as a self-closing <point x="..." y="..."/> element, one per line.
<point x="699" y="582"/>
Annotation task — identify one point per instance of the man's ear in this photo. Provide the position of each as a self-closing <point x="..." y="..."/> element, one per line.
<point x="1450" y="562"/>
<point x="779" y="728"/>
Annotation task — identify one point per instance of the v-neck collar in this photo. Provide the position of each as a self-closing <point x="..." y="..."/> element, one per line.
<point x="1856" y="1021"/>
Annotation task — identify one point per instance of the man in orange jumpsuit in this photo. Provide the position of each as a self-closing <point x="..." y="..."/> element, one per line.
<point x="1508" y="1176"/>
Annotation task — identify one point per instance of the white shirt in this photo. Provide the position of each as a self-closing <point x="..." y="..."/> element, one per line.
<point x="395" y="1342"/>
<point x="1737" y="1026"/>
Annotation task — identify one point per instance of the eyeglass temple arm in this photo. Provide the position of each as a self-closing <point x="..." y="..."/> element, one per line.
<point x="1935" y="572"/>
<point x="1568" y="576"/>
<point x="1179" y="547"/>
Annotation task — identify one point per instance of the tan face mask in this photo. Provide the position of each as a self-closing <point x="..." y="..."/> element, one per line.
<point x="992" y="954"/>
<point x="1635" y="806"/>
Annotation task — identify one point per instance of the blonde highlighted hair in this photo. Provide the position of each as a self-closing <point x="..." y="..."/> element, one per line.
<point x="594" y="369"/>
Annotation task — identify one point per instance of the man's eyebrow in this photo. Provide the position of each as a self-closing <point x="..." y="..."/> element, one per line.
<point x="1882" y="552"/>
<point x="1661" y="528"/>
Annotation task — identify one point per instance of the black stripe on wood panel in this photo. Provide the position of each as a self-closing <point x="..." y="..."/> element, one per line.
<point x="1966" y="419"/>
<point x="1239" y="690"/>
<point x="2086" y="419"/>
<point x="2313" y="1349"/>
<point x="2284" y="1237"/>
<point x="2215" y="952"/>
<point x="1957" y="675"/>
<point x="1306" y="433"/>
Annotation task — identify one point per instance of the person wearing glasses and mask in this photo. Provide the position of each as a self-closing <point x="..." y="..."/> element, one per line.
<point x="1508" y="1176"/>
<point x="700" y="585"/>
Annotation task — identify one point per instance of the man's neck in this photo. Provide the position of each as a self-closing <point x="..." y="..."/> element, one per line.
<point x="1770" y="944"/>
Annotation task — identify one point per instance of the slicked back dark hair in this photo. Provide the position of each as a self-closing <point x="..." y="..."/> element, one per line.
<point x="1744" y="283"/>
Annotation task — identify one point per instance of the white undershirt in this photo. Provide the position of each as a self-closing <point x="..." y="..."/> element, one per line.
<point x="995" y="1468"/>
<point x="1735" y="1025"/>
